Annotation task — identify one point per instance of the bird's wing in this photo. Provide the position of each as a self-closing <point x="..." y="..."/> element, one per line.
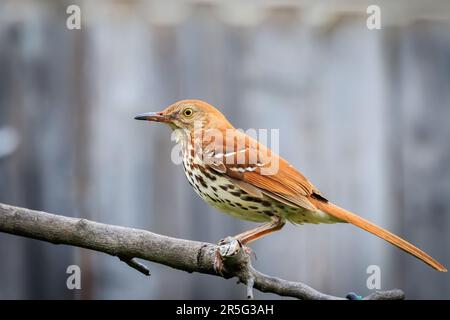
<point x="257" y="170"/>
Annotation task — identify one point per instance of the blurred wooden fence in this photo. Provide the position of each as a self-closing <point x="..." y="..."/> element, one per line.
<point x="364" y="114"/>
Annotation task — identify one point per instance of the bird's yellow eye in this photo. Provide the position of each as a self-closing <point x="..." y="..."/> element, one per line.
<point x="188" y="112"/>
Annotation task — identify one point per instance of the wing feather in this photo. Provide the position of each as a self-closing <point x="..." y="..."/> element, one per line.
<point x="248" y="166"/>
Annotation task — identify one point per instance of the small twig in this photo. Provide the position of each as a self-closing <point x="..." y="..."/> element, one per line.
<point x="250" y="283"/>
<point x="136" y="265"/>
<point x="395" y="294"/>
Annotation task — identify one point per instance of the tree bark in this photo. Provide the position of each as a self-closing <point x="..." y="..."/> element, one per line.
<point x="128" y="244"/>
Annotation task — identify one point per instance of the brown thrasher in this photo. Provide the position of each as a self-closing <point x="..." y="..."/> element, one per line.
<point x="241" y="177"/>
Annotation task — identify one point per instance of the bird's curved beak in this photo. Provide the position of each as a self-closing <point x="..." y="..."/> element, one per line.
<point x="152" y="116"/>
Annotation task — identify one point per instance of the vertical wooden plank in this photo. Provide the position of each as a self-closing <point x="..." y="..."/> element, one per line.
<point x="122" y="152"/>
<point x="424" y="103"/>
<point x="12" y="286"/>
<point x="42" y="165"/>
<point x="355" y="116"/>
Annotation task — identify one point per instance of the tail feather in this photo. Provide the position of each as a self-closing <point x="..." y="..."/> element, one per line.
<point x="362" y="223"/>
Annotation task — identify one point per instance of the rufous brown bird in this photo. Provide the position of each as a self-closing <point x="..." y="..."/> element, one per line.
<point x="243" y="178"/>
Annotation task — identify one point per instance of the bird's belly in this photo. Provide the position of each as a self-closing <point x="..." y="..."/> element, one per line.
<point x="219" y="192"/>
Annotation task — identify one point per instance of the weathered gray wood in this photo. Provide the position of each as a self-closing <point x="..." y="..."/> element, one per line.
<point x="37" y="101"/>
<point x="364" y="114"/>
<point x="424" y="103"/>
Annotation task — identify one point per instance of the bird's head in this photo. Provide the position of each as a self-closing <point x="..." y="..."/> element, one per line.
<point x="189" y="115"/>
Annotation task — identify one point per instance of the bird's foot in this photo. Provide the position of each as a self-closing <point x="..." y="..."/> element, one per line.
<point x="250" y="252"/>
<point x="227" y="249"/>
<point x="218" y="262"/>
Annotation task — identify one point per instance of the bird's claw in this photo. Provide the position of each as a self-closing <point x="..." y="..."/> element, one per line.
<point x="227" y="248"/>
<point x="250" y="252"/>
<point x="218" y="262"/>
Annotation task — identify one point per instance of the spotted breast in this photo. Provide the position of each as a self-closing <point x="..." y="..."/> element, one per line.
<point x="221" y="192"/>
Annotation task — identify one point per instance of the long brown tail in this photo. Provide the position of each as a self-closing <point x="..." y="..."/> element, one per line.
<point x="352" y="218"/>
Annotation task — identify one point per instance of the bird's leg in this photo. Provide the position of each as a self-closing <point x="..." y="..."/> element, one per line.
<point x="245" y="238"/>
<point x="259" y="232"/>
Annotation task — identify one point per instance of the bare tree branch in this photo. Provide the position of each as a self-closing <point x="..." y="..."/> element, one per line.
<point x="129" y="244"/>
